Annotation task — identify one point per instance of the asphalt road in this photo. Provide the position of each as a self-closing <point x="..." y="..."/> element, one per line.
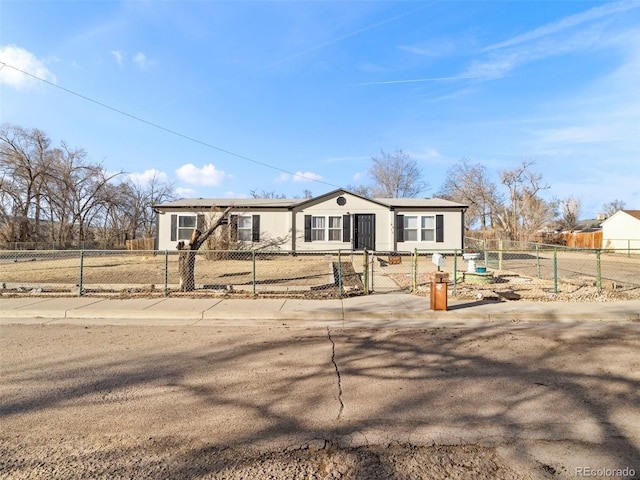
<point x="549" y="398"/>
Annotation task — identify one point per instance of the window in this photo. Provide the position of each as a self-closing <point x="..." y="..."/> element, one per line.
<point x="410" y="229"/>
<point x="317" y="228"/>
<point x="335" y="229"/>
<point x="186" y="224"/>
<point x="428" y="229"/>
<point x="424" y="228"/>
<point x="245" y="228"/>
<point x="326" y="229"/>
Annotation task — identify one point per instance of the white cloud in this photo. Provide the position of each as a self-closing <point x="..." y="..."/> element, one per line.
<point x="182" y="192"/>
<point x="117" y="55"/>
<point x="575" y="33"/>
<point x="142" y="61"/>
<point x="297" y="177"/>
<point x="23" y="60"/>
<point x="207" y="176"/>
<point x="359" y="176"/>
<point x="566" y="23"/>
<point x="431" y="48"/>
<point x="147" y="175"/>
<point x="306" y="177"/>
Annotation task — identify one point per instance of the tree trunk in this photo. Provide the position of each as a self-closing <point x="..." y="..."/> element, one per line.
<point x="186" y="266"/>
<point x="187" y="258"/>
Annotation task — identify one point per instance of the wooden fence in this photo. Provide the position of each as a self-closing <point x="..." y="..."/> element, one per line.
<point x="584" y="239"/>
<point x="141" y="244"/>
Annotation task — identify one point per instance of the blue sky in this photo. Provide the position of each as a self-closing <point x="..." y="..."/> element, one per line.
<point x="288" y="96"/>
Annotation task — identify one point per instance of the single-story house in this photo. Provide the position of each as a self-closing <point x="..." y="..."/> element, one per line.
<point x="338" y="220"/>
<point x="622" y="230"/>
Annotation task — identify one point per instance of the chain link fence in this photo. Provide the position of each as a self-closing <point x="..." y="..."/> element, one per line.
<point x="536" y="273"/>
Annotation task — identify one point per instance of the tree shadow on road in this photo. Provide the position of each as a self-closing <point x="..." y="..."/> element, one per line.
<point x="486" y="386"/>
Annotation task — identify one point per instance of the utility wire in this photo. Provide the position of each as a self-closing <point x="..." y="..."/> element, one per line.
<point x="165" y="129"/>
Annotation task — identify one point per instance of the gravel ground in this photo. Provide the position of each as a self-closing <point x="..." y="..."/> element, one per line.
<point x="173" y="459"/>
<point x="309" y="403"/>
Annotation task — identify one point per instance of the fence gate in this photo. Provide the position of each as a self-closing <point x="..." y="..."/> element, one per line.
<point x="384" y="272"/>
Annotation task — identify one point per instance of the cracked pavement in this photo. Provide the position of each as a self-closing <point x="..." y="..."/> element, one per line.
<point x="338" y="378"/>
<point x="557" y="396"/>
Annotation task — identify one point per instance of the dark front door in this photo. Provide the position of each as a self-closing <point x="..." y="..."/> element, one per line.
<point x="364" y="232"/>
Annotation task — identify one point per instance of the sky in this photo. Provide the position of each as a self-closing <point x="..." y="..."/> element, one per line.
<point x="222" y="98"/>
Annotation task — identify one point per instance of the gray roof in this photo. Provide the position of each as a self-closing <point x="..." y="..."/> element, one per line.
<point x="231" y="202"/>
<point x="419" y="202"/>
<point x="204" y="203"/>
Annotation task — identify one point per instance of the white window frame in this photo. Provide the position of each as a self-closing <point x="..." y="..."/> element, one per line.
<point x="334" y="231"/>
<point x="244" y="232"/>
<point x="424" y="231"/>
<point x="186" y="231"/>
<point x="318" y="228"/>
<point x="409" y="230"/>
<point x="325" y="232"/>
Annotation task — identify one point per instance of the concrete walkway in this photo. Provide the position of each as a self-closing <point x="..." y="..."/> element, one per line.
<point x="392" y="309"/>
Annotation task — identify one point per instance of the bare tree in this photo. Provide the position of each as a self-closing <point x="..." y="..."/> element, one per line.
<point x="396" y="175"/>
<point x="78" y="193"/>
<point x="569" y="213"/>
<point x="525" y="211"/>
<point x="469" y="184"/>
<point x="187" y="259"/>
<point x="24" y="162"/>
<point x="612" y="207"/>
<point x="362" y="190"/>
<point x="265" y="194"/>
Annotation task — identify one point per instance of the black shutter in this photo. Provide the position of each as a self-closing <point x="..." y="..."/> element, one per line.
<point x="174" y="228"/>
<point x="439" y="228"/>
<point x="255" y="228"/>
<point x="399" y="228"/>
<point x="200" y="222"/>
<point x="307" y="228"/>
<point x="346" y="228"/>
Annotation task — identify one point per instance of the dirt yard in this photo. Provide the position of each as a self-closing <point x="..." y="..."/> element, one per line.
<point x="312" y="276"/>
<point x="213" y="271"/>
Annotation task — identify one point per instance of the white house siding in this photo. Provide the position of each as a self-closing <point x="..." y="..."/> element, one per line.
<point x="329" y="207"/>
<point x="275" y="226"/>
<point x="452" y="235"/>
<point x="621" y="230"/>
<point x="282" y="221"/>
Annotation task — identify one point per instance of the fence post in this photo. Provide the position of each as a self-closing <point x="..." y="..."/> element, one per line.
<point x="598" y="271"/>
<point x="628" y="248"/>
<point x="373" y="277"/>
<point x="365" y="271"/>
<point x="81" y="272"/>
<point x="538" y="260"/>
<point x="414" y="272"/>
<point x="499" y="254"/>
<point x="555" y="270"/>
<point x="166" y="273"/>
<point x="253" y="281"/>
<point x="339" y="274"/>
<point x="455" y="271"/>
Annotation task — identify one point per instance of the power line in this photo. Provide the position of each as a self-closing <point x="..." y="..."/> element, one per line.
<point x="165" y="129"/>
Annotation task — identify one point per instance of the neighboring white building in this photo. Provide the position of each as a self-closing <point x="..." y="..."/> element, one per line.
<point x="338" y="220"/>
<point x="622" y="230"/>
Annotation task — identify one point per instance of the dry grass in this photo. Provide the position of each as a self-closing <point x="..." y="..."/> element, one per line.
<point x="128" y="269"/>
